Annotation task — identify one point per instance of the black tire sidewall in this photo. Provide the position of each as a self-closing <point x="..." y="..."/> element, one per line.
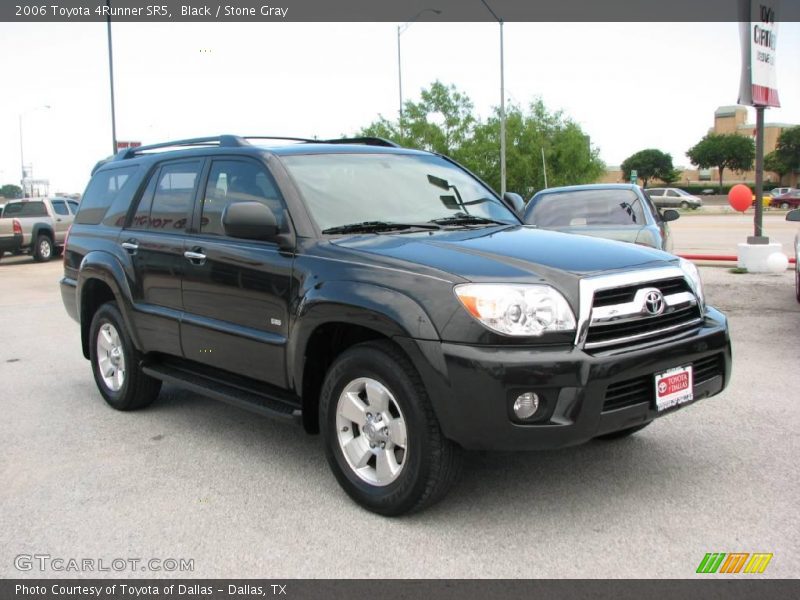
<point x="369" y="361"/>
<point x="109" y="313"/>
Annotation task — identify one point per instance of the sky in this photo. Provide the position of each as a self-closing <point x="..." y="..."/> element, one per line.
<point x="629" y="85"/>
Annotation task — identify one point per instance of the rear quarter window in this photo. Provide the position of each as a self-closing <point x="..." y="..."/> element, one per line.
<point x="111" y="186"/>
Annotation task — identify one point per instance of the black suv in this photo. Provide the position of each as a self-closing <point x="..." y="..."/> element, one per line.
<point x="382" y="296"/>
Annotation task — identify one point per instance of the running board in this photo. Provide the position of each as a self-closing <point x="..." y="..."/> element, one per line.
<point x="251" y="400"/>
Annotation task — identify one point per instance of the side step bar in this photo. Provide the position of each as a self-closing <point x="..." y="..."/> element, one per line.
<point x="251" y="400"/>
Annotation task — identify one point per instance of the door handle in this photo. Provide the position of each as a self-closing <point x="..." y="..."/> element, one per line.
<point x="131" y="246"/>
<point x="196" y="258"/>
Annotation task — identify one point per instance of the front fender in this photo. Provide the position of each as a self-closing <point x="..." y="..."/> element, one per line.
<point x="105" y="267"/>
<point x="381" y="309"/>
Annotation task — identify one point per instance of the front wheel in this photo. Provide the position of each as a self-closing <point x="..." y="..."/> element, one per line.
<point x="684" y="204"/>
<point x="784" y="205"/>
<point x="382" y="439"/>
<point x="116" y="364"/>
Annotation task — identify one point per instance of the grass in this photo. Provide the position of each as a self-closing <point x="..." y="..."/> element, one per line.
<point x="737" y="270"/>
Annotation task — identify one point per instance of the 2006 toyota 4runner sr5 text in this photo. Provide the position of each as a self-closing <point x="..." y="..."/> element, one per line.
<point x="383" y="297"/>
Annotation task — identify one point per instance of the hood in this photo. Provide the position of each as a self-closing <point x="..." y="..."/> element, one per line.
<point x="507" y="253"/>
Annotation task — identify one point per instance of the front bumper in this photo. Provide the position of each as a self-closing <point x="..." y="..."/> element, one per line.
<point x="473" y="387"/>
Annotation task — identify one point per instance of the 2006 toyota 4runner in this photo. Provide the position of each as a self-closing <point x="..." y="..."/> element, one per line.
<point x="384" y="297"/>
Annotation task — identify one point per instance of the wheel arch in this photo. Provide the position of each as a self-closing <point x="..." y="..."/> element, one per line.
<point x="102" y="279"/>
<point x="336" y="317"/>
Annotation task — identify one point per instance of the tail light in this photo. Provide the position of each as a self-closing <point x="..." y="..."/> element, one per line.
<point x="66" y="241"/>
<point x="15" y="224"/>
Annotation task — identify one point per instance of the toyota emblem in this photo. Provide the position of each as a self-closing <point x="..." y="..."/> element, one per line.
<point x="654" y="303"/>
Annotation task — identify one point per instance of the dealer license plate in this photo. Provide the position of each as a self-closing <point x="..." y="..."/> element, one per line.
<point x="674" y="387"/>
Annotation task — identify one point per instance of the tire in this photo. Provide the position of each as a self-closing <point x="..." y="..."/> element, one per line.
<point x="116" y="364"/>
<point x="784" y="205"/>
<point x="43" y="249"/>
<point x="411" y="465"/>
<point x="797" y="283"/>
<point x="684" y="204"/>
<point x="622" y="433"/>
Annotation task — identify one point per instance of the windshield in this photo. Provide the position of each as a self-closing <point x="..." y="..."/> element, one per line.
<point x="586" y="208"/>
<point x="344" y="189"/>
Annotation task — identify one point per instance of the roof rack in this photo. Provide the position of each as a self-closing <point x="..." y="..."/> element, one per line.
<point x="235" y="141"/>
<point x="226" y="141"/>
<point x="367" y="141"/>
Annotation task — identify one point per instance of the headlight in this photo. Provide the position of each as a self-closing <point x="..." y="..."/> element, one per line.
<point x="693" y="274"/>
<point x="520" y="310"/>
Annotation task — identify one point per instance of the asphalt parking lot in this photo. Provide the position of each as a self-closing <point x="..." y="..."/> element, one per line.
<point x="190" y="478"/>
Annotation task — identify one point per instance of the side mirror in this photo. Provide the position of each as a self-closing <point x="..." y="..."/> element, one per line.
<point x="793" y="215"/>
<point x="514" y="202"/>
<point x="670" y="215"/>
<point x="250" y="221"/>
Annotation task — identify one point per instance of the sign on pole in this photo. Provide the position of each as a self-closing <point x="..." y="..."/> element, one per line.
<point x="758" y="29"/>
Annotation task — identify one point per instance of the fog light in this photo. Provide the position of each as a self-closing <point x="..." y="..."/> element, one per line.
<point x="526" y="405"/>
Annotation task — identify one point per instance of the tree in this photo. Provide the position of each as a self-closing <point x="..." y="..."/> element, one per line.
<point x="788" y="149"/>
<point x="650" y="164"/>
<point x="443" y="121"/>
<point x="724" y="151"/>
<point x="774" y="162"/>
<point x="11" y="191"/>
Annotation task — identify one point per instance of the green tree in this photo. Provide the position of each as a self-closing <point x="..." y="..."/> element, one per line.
<point x="443" y="121"/>
<point x="650" y="164"/>
<point x="11" y="191"/>
<point x="788" y="148"/>
<point x="724" y="151"/>
<point x="774" y="162"/>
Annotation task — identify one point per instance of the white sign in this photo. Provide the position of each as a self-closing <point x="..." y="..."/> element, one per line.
<point x="758" y="29"/>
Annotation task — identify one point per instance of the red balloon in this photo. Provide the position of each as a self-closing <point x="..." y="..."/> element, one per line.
<point x="740" y="197"/>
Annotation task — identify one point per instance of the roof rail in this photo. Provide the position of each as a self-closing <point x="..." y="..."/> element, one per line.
<point x="278" y="137"/>
<point x="219" y="140"/>
<point x="367" y="141"/>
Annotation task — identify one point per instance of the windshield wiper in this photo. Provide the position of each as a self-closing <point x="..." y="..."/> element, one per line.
<point x="462" y="219"/>
<point x="376" y="226"/>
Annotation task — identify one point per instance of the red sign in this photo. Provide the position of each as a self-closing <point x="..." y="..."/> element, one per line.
<point x="125" y="145"/>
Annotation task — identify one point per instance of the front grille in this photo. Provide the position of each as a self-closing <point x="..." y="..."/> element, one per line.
<point x="641" y="390"/>
<point x="613" y="331"/>
<point x="621" y="295"/>
<point x="622" y="323"/>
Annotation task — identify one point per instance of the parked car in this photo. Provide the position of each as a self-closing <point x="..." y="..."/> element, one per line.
<point x="780" y="191"/>
<point x="673" y="197"/>
<point x="42" y="222"/>
<point x="617" y="211"/>
<point x="788" y="200"/>
<point x="708" y="192"/>
<point x="382" y="296"/>
<point x="766" y="199"/>
<point x="794" y="215"/>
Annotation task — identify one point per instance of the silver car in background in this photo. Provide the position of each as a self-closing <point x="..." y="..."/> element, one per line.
<point x="673" y="198"/>
<point x="616" y="211"/>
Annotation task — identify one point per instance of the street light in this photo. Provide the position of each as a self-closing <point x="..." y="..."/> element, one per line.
<point x="21" y="154"/>
<point x="502" y="106"/>
<point x="400" y="30"/>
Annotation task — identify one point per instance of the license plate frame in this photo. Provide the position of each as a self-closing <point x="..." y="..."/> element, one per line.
<point x="674" y="387"/>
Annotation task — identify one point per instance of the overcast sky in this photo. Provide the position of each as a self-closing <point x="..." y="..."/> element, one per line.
<point x="630" y="86"/>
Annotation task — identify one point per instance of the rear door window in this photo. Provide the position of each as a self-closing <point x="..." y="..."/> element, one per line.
<point x="60" y="207"/>
<point x="170" y="194"/>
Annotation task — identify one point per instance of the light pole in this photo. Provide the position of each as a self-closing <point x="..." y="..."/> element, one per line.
<point x="400" y="30"/>
<point x="502" y="105"/>
<point x="21" y="153"/>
